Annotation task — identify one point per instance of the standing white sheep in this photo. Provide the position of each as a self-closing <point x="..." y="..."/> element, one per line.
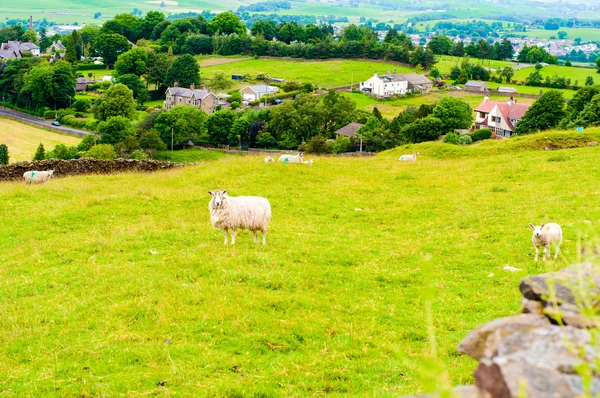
<point x="35" y="176"/>
<point x="269" y="159"/>
<point x="291" y="158"/>
<point x="243" y="212"/>
<point x="546" y="235"/>
<point x="409" y="158"/>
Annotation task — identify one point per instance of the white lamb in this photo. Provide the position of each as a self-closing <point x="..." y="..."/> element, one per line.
<point x="243" y="212"/>
<point x="269" y="159"/>
<point x="36" y="177"/>
<point x="291" y="158"/>
<point x="409" y="158"/>
<point x="546" y="235"/>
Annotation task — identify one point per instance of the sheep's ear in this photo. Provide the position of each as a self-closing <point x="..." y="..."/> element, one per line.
<point x="542" y="226"/>
<point x="531" y="225"/>
<point x="224" y="192"/>
<point x="210" y="193"/>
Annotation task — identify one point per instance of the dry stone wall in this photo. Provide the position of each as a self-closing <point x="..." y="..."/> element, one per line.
<point x="14" y="171"/>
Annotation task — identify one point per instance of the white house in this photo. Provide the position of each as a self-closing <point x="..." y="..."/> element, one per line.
<point x="386" y="85"/>
<point x="500" y="117"/>
<point x="252" y="93"/>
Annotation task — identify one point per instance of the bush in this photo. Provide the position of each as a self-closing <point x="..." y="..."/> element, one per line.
<point x="40" y="153"/>
<point x="317" y="144"/>
<point x="481" y="134"/>
<point x="138" y="154"/>
<point x="82" y="105"/>
<point x="340" y="145"/>
<point x="452" y="138"/>
<point x="265" y="140"/>
<point x="63" y="152"/>
<point x="151" y="142"/>
<point x="102" y="151"/>
<point x="465" y="140"/>
<point x="87" y="142"/>
<point x="291" y="86"/>
<point x="49" y="114"/>
<point x="3" y="154"/>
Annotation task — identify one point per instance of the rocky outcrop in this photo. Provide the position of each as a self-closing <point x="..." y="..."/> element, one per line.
<point x="14" y="171"/>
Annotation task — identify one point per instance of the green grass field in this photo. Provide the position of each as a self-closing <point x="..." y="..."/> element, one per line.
<point x="22" y="139"/>
<point x="118" y="285"/>
<point x="579" y="74"/>
<point x="585" y="34"/>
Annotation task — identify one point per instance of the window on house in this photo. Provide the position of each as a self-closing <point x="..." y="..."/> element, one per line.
<point x="179" y="99"/>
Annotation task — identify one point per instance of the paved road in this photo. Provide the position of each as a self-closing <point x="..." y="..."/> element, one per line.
<point x="38" y="121"/>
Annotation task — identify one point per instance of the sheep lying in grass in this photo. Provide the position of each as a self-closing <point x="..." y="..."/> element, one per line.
<point x="36" y="177"/>
<point x="243" y="212"/>
<point x="546" y="235"/>
<point x="409" y="158"/>
<point x="291" y="158"/>
<point x="269" y="159"/>
<point x="310" y="162"/>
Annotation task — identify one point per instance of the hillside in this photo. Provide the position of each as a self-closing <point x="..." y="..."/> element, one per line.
<point x="23" y="139"/>
<point x="119" y="285"/>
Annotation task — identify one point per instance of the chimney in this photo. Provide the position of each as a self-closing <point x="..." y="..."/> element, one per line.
<point x="192" y="86"/>
<point x="203" y="86"/>
<point x="176" y="84"/>
<point x="510" y="101"/>
<point x="388" y="73"/>
<point x="395" y="74"/>
<point x="31" y="22"/>
<point x="485" y="98"/>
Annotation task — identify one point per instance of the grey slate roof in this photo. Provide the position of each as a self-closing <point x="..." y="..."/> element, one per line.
<point x="415" y="78"/>
<point x="187" y="93"/>
<point x="349" y="130"/>
<point x="473" y="83"/>
<point x="263" y="89"/>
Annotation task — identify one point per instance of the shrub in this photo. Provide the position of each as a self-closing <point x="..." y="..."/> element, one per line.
<point x="82" y="105"/>
<point x="291" y="86"/>
<point x="49" y="114"/>
<point x="63" y="152"/>
<point x="151" y="142"/>
<point x="40" y="153"/>
<point x="115" y="129"/>
<point x="87" y="142"/>
<point x="481" y="134"/>
<point x="3" y="154"/>
<point x="101" y="151"/>
<point x="263" y="76"/>
<point x="317" y="144"/>
<point x="451" y="138"/>
<point x="138" y="154"/>
<point x="264" y="139"/>
<point x="340" y="145"/>
<point x="465" y="140"/>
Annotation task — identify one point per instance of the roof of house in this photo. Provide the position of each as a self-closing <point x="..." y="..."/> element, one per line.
<point x="28" y="46"/>
<point x="10" y="50"/>
<point x="57" y="45"/>
<point x="263" y="89"/>
<point x="474" y="83"/>
<point x="509" y="110"/>
<point x="415" y="78"/>
<point x="507" y="90"/>
<point x="84" y="80"/>
<point x="349" y="130"/>
<point x="188" y="92"/>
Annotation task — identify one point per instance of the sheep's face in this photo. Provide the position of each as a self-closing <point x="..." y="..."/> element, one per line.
<point x="50" y="173"/>
<point x="538" y="230"/>
<point x="218" y="197"/>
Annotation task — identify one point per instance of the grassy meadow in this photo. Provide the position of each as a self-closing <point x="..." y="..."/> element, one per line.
<point x="585" y="34"/>
<point x="119" y="285"/>
<point x="572" y="73"/>
<point x="23" y="139"/>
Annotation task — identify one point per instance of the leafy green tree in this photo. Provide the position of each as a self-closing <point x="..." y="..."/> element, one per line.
<point x="534" y="79"/>
<point x="40" y="153"/>
<point x="137" y="86"/>
<point x="311" y="117"/>
<point x="124" y="25"/>
<point x="455" y="72"/>
<point x="440" y="44"/>
<point x="226" y="23"/>
<point x="264" y="139"/>
<point x="117" y="101"/>
<point x="339" y="111"/>
<point x="317" y="144"/>
<point x="506" y="50"/>
<point x="82" y="105"/>
<point x="87" y="142"/>
<point x="134" y="61"/>
<point x="454" y="114"/>
<point x="109" y="47"/>
<point x="30" y="35"/>
<point x="184" y="70"/>
<point x="458" y="50"/>
<point x="71" y="52"/>
<point x="562" y="34"/>
<point x="88" y="34"/>
<point x="148" y="23"/>
<point x="102" y="151"/>
<point x="64" y="84"/>
<point x="341" y="144"/>
<point x="148" y="121"/>
<point x="220" y="82"/>
<point x="115" y="129"/>
<point x="219" y="125"/>
<point x="182" y="123"/>
<point x="196" y="43"/>
<point x="78" y="40"/>
<point x="589" y="81"/>
<point x="422" y="57"/>
<point x="264" y="27"/>
<point x="507" y="73"/>
<point x="426" y="129"/>
<point x="158" y="66"/>
<point x="63" y="152"/>
<point x="545" y="113"/>
<point x="598" y="64"/>
<point x="151" y="142"/>
<point x="590" y="115"/>
<point x="4" y="157"/>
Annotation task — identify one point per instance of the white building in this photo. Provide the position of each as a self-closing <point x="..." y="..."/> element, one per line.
<point x="386" y="85"/>
<point x="252" y="93"/>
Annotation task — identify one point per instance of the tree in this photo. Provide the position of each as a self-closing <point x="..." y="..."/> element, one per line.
<point x="82" y="105"/>
<point x="115" y="129"/>
<point x="598" y="64"/>
<point x="534" y="79"/>
<point x="40" y="153"/>
<point x="507" y="73"/>
<point x="78" y="40"/>
<point x="158" y="66"/>
<point x="4" y="154"/>
<point x="219" y="125"/>
<point x="135" y="84"/>
<point x="339" y="111"/>
<point x="590" y="115"/>
<point x="426" y="129"/>
<point x="97" y="15"/>
<point x="226" y="23"/>
<point x="184" y="123"/>
<point x="196" y="43"/>
<point x="102" y="151"/>
<point x="64" y="84"/>
<point x="151" y="142"/>
<point x="109" y="47"/>
<point x="440" y="44"/>
<point x="576" y="105"/>
<point x="148" y="23"/>
<point x="459" y="49"/>
<point x="184" y="70"/>
<point x="117" y="101"/>
<point x="455" y="72"/>
<point x="264" y="27"/>
<point x="562" y="34"/>
<point x="422" y="57"/>
<point x="454" y="114"/>
<point x="71" y="52"/>
<point x="545" y="113"/>
<point x="506" y="50"/>
<point x="30" y="35"/>
<point x="317" y="144"/>
<point x="589" y="81"/>
<point x="220" y="82"/>
<point x="134" y="61"/>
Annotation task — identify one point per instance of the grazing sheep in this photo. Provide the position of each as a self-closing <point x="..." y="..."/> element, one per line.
<point x="243" y="212"/>
<point x="409" y="158"/>
<point x="269" y="159"/>
<point x="545" y="235"/>
<point x="310" y="162"/>
<point x="37" y="176"/>
<point x="291" y="158"/>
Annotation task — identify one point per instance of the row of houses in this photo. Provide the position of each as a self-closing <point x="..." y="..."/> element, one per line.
<point x="396" y="84"/>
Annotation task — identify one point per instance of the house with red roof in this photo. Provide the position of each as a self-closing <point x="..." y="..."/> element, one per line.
<point x="500" y="117"/>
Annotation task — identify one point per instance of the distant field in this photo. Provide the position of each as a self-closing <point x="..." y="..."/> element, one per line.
<point x="446" y="62"/>
<point x="572" y="33"/>
<point x="22" y="139"/>
<point x="573" y="73"/>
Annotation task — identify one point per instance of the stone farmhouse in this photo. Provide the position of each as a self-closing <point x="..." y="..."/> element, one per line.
<point x="202" y="98"/>
<point x="15" y="49"/>
<point x="252" y="93"/>
<point x="500" y="117"/>
<point x="394" y="83"/>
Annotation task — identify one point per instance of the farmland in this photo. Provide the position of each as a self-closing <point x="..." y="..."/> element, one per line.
<point x="22" y="139"/>
<point x="124" y="288"/>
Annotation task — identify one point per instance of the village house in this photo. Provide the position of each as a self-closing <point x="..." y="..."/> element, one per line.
<point x="385" y="85"/>
<point x="418" y="82"/>
<point x="474" y="86"/>
<point x="56" y="47"/>
<point x="202" y="99"/>
<point x="500" y="117"/>
<point x="82" y="84"/>
<point x="252" y="93"/>
<point x="16" y="49"/>
<point x="349" y="130"/>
